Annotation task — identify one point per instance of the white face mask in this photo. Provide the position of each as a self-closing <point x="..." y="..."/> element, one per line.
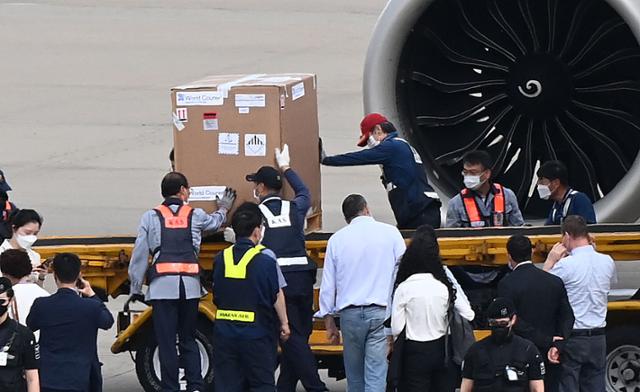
<point x="372" y="142"/>
<point x="255" y="194"/>
<point x="544" y="192"/>
<point x="26" y="241"/>
<point x="472" y="182"/>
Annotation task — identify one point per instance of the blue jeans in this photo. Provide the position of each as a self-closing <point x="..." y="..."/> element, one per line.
<point x="365" y="348"/>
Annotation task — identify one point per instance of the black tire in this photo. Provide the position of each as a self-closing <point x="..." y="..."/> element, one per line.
<point x="148" y="374"/>
<point x="623" y="359"/>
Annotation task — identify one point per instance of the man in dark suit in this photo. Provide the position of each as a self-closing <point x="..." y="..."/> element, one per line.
<point x="68" y="322"/>
<point x="544" y="313"/>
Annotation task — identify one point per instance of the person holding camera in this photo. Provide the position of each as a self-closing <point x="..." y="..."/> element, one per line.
<point x="68" y="322"/>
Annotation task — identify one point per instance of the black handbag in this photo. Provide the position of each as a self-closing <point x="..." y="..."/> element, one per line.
<point x="394" y="372"/>
<point x="460" y="337"/>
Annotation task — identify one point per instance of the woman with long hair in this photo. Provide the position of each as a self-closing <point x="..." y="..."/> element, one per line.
<point x="424" y="290"/>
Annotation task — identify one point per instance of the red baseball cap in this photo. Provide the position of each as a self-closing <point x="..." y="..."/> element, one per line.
<point x="367" y="124"/>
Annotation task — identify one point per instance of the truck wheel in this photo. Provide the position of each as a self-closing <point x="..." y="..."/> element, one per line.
<point x="623" y="359"/>
<point x="148" y="360"/>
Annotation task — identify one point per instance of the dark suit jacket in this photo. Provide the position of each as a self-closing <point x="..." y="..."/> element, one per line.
<point x="541" y="302"/>
<point x="68" y="327"/>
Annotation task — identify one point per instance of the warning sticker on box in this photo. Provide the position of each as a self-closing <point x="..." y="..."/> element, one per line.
<point x="206" y="193"/>
<point x="255" y="145"/>
<point x="182" y="114"/>
<point x="251" y="100"/>
<point x="210" y="121"/>
<point x="199" y="98"/>
<point x="177" y="123"/>
<point x="228" y="143"/>
<point x="297" y="91"/>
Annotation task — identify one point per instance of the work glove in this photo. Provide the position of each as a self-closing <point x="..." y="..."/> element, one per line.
<point x="283" y="158"/>
<point x="136" y="298"/>
<point x="323" y="154"/>
<point x="227" y="199"/>
<point x="229" y="235"/>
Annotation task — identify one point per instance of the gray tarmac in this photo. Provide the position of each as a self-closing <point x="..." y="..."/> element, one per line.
<point x="85" y="102"/>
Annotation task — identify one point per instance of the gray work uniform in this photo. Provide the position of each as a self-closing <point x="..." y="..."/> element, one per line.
<point x="457" y="215"/>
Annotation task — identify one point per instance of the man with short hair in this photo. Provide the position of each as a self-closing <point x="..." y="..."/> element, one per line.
<point x="284" y="235"/>
<point x="16" y="266"/>
<point x="544" y="313"/>
<point x="171" y="233"/>
<point x="68" y="322"/>
<point x="250" y="309"/>
<point x="19" y="356"/>
<point x="413" y="200"/>
<point x="357" y="274"/>
<point x="587" y="276"/>
<point x="503" y="361"/>
<point x="482" y="202"/>
<point x="553" y="183"/>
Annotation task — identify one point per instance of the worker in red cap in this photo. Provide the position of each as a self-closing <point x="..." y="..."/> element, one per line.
<point x="413" y="200"/>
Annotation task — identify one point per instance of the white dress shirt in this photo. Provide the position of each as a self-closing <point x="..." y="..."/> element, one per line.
<point x="587" y="276"/>
<point x="420" y="304"/>
<point x="358" y="265"/>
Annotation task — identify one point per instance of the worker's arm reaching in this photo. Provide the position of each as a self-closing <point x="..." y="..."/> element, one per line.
<point x="302" y="198"/>
<point x="378" y="155"/>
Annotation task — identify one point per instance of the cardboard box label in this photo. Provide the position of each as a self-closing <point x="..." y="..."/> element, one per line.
<point x="199" y="98"/>
<point x="206" y="193"/>
<point x="255" y="145"/>
<point x="228" y="143"/>
<point x="251" y="100"/>
<point x="210" y="121"/>
<point x="182" y="114"/>
<point x="297" y="91"/>
<point x="177" y="123"/>
<point x="243" y="110"/>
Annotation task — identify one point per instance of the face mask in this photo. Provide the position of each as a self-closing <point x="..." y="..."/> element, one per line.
<point x="255" y="194"/>
<point x="473" y="182"/>
<point x="372" y="142"/>
<point x="3" y="309"/>
<point x="26" y="241"/>
<point x="544" y="192"/>
<point x="500" y="334"/>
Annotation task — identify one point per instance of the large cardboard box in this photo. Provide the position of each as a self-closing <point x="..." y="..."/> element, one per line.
<point x="228" y="126"/>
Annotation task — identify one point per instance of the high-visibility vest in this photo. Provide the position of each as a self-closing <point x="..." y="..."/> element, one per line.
<point x="7" y="211"/>
<point x="476" y="218"/>
<point x="237" y="274"/>
<point x="557" y="215"/>
<point x="284" y="235"/>
<point x="176" y="255"/>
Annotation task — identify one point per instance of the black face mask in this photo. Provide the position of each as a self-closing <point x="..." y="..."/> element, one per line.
<point x="3" y="309"/>
<point x="500" y="334"/>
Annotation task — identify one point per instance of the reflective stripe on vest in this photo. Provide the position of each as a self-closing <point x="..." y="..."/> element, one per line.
<point x="235" y="315"/>
<point x="416" y="157"/>
<point x="239" y="271"/>
<point x="287" y="261"/>
<point x="7" y="211"/>
<point x="565" y="206"/>
<point x="177" y="268"/>
<point x="275" y="222"/>
<point x="473" y="211"/>
<point x="172" y="221"/>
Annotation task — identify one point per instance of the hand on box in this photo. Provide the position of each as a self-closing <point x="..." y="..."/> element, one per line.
<point x="282" y="157"/>
<point x="227" y="199"/>
<point x="229" y="235"/>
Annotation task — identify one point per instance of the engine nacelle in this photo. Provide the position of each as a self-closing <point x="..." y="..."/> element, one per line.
<point x="526" y="80"/>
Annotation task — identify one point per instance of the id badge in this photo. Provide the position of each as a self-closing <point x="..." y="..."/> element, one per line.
<point x="511" y="374"/>
<point x="3" y="358"/>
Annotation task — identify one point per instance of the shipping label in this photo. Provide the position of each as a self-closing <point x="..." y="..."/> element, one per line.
<point x="199" y="98"/>
<point x="210" y="121"/>
<point x="206" y="193"/>
<point x="228" y="143"/>
<point x="251" y="100"/>
<point x="297" y="91"/>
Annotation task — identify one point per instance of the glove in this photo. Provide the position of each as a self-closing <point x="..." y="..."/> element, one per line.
<point x="323" y="154"/>
<point x="227" y="200"/>
<point x="282" y="157"/>
<point x="229" y="235"/>
<point x="136" y="298"/>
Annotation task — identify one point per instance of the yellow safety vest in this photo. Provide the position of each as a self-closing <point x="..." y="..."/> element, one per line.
<point x="237" y="271"/>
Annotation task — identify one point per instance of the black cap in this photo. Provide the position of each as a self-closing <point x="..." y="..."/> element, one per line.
<point x="500" y="308"/>
<point x="4" y="185"/>
<point x="5" y="284"/>
<point x="267" y="175"/>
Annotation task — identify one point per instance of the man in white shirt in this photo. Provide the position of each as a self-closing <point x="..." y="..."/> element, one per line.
<point x="587" y="276"/>
<point x="357" y="274"/>
<point x="16" y="266"/>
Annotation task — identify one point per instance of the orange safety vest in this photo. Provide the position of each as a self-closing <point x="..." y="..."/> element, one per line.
<point x="476" y="219"/>
<point x="176" y="253"/>
<point x="7" y="211"/>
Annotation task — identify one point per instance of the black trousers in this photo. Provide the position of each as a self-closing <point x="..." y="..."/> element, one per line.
<point x="179" y="317"/>
<point x="244" y="365"/>
<point x="552" y="376"/>
<point x="583" y="364"/>
<point x="297" y="361"/>
<point x="423" y="367"/>
<point x="429" y="216"/>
